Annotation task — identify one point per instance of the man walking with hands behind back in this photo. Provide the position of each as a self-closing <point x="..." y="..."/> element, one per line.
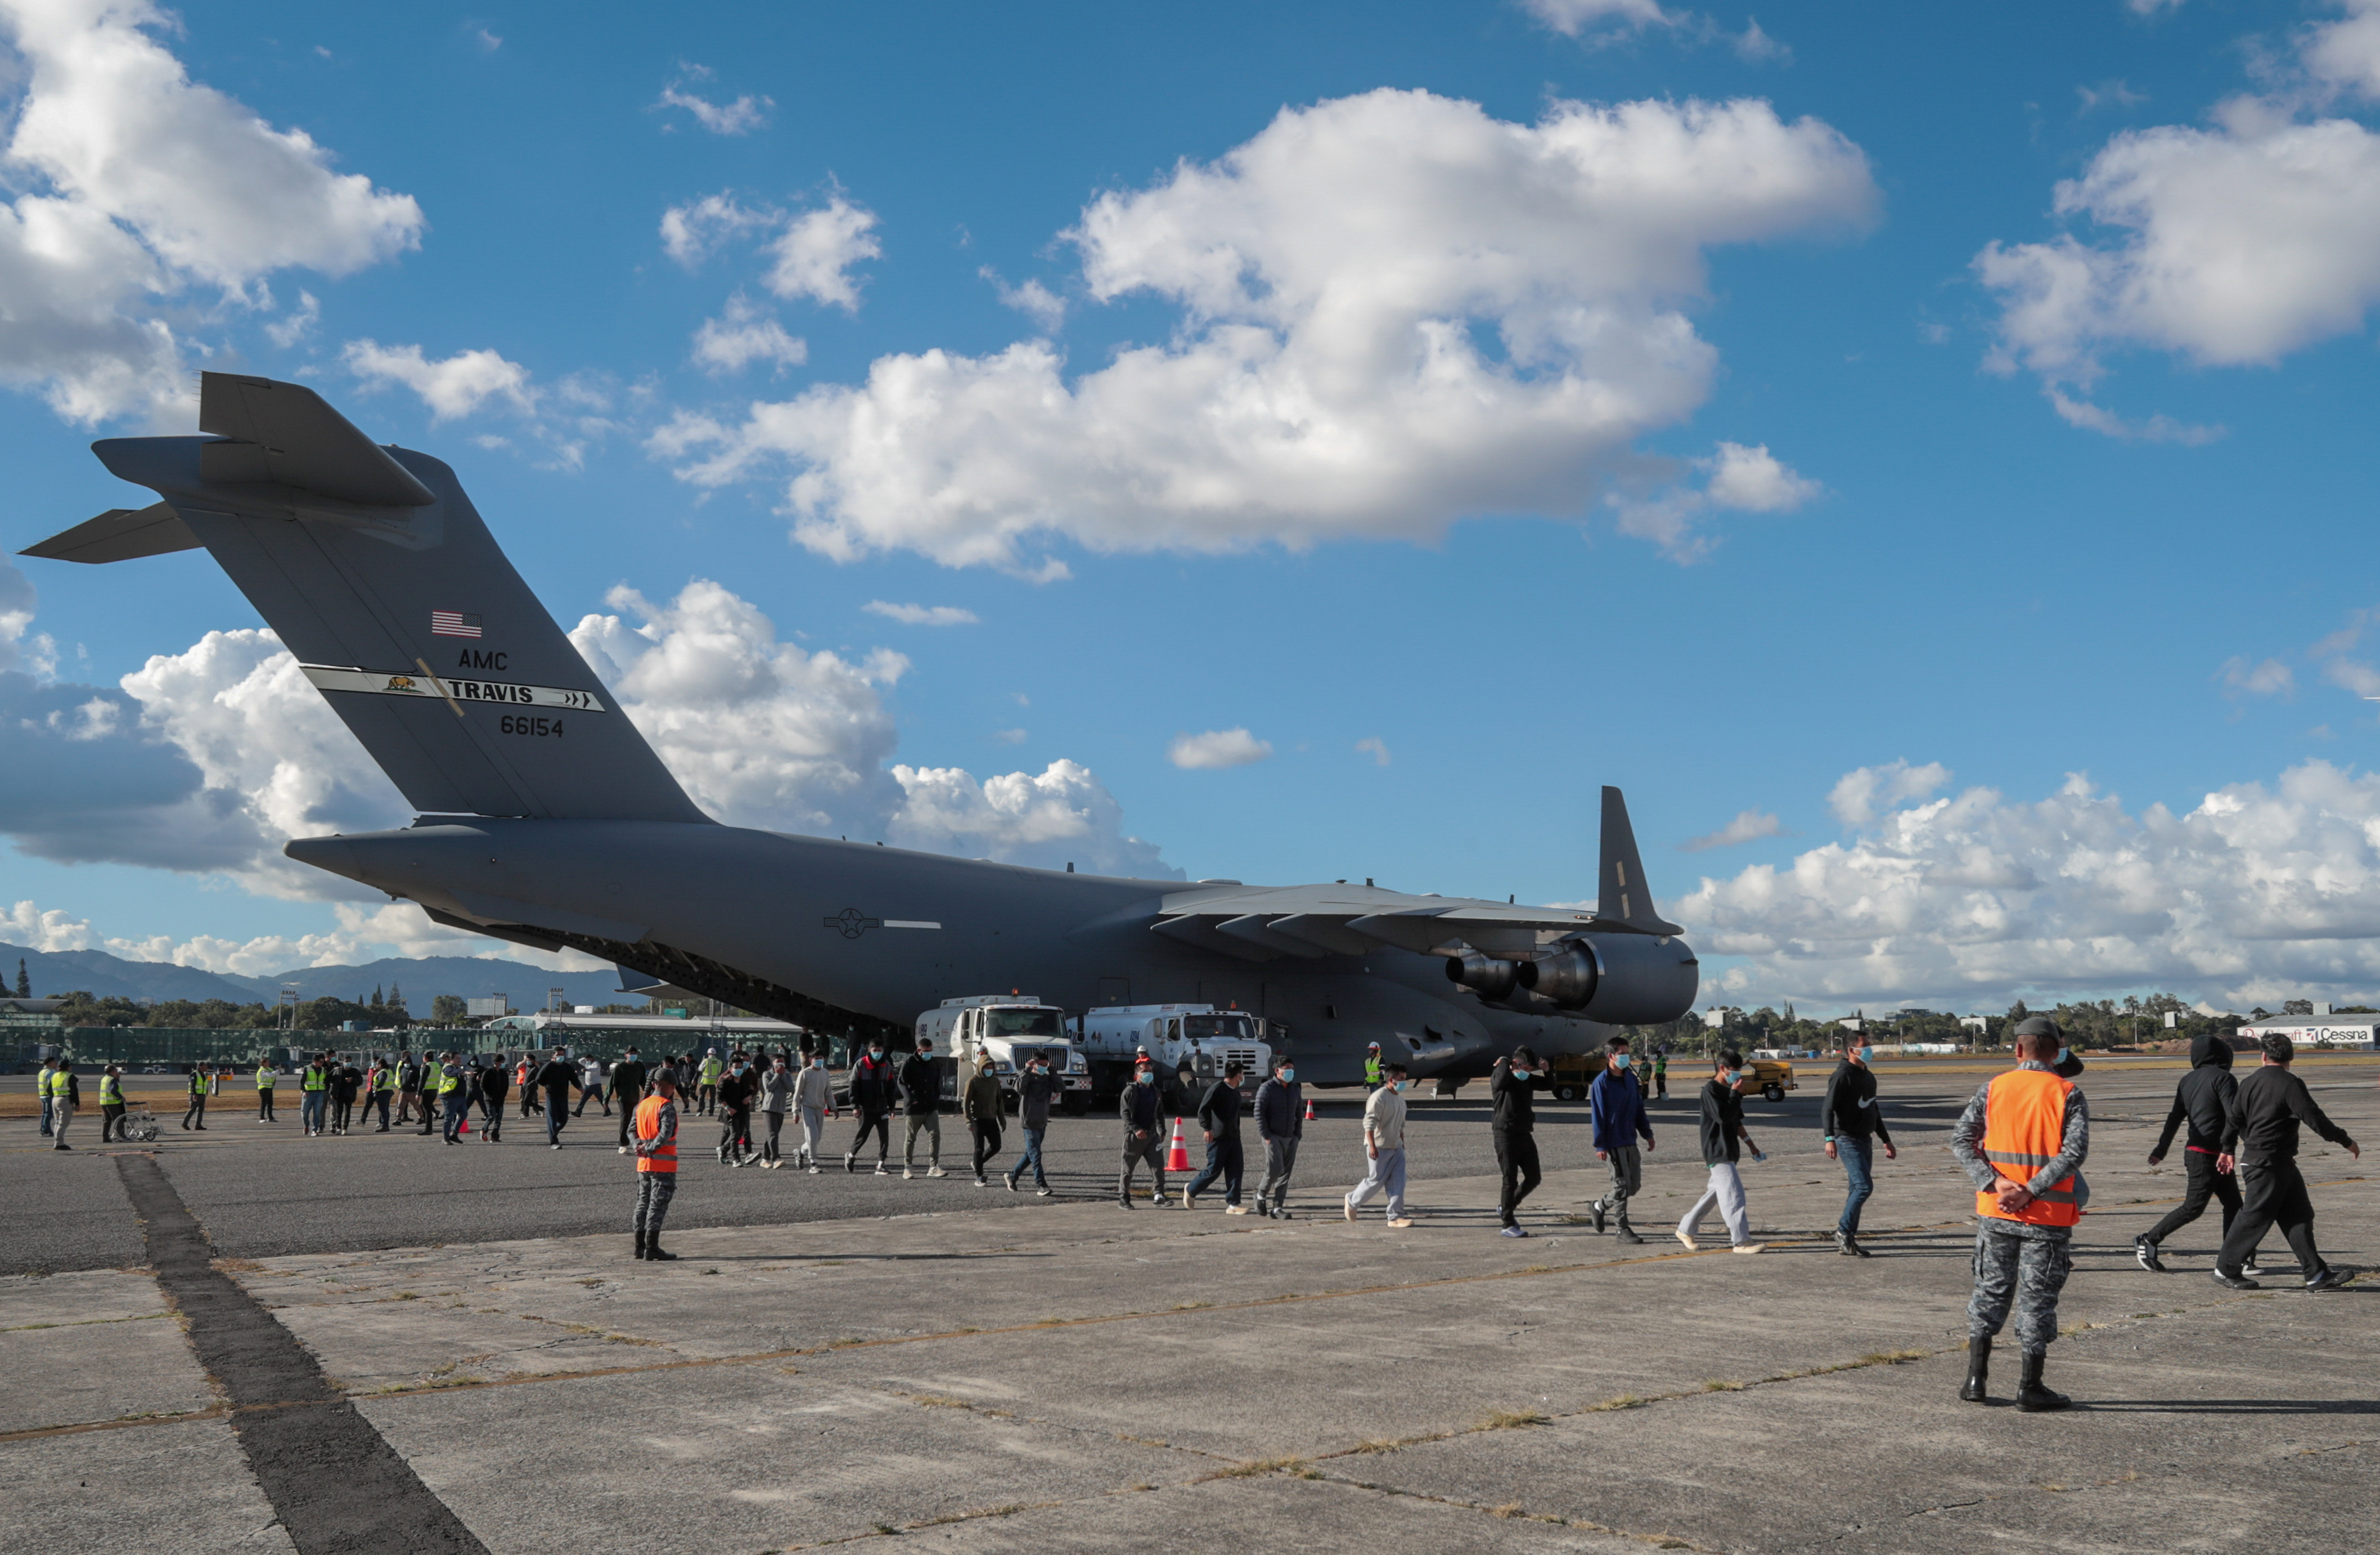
<point x="2022" y="1139"/>
<point x="1615" y="1105"/>
<point x="654" y="1128"/>
<point x="1854" y="1123"/>
<point x="2263" y="1130"/>
<point x="1384" y="1149"/>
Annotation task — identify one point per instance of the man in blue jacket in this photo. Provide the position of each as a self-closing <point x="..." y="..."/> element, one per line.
<point x="1616" y="1104"/>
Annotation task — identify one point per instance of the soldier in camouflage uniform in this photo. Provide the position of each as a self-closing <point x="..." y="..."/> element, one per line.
<point x="2022" y="1249"/>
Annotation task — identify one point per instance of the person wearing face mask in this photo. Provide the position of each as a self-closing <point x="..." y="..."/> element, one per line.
<point x="626" y="1085"/>
<point x="2204" y="1101"/>
<point x="1218" y="1120"/>
<point x="1853" y="1124"/>
<point x="776" y="1101"/>
<point x="1384" y="1149"/>
<point x="1511" y="1090"/>
<point x="732" y="1098"/>
<point x="1143" y="1111"/>
<point x="921" y="1100"/>
<point x="1724" y="1139"/>
<point x="814" y="1102"/>
<point x="1616" y="1110"/>
<point x="1280" y="1123"/>
<point x="980" y="1104"/>
<point x="1036" y="1088"/>
<point x="873" y="1090"/>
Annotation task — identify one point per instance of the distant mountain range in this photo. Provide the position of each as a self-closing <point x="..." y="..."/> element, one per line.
<point x="421" y="978"/>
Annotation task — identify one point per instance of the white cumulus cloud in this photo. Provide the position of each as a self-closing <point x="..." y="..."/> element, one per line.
<point x="1375" y="747"/>
<point x="740" y="117"/>
<point x="921" y="615"/>
<point x="132" y="183"/>
<point x="692" y="231"/>
<point x="1736" y="478"/>
<point x="1862" y="794"/>
<point x="1747" y="827"/>
<point x="1217" y="748"/>
<point x="1338" y="278"/>
<point x="816" y="253"/>
<point x="2259" y="893"/>
<point x="1061" y="816"/>
<point x="2268" y="678"/>
<point x="1572" y="17"/>
<point x="745" y="333"/>
<point x="2230" y="245"/>
<point x="450" y="386"/>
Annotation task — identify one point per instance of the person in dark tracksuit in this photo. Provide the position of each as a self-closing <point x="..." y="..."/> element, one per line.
<point x="555" y="1077"/>
<point x="1142" y="1108"/>
<point x="1219" y="1119"/>
<point x="1036" y="1088"/>
<point x="496" y="1084"/>
<point x="2261" y="1139"/>
<point x="980" y="1104"/>
<point x="1280" y="1123"/>
<point x="2203" y="1100"/>
<point x="1854" y="1123"/>
<point x="627" y="1085"/>
<point x="1511" y="1088"/>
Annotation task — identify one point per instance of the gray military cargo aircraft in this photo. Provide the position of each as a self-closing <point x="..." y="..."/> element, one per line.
<point x="545" y="819"/>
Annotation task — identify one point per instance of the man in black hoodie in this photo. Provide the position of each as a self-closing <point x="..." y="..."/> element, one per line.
<point x="2203" y="1100"/>
<point x="2262" y="1129"/>
<point x="1514" y="1122"/>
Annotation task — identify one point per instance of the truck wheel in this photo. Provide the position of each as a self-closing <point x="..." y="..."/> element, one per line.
<point x="1773" y="1092"/>
<point x="1565" y="1093"/>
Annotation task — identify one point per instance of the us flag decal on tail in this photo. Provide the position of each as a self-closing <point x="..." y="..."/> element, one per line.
<point x="452" y="623"/>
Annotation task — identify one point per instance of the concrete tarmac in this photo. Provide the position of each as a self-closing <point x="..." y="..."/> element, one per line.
<point x="842" y="1358"/>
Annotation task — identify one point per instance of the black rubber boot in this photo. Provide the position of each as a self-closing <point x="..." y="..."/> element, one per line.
<point x="640" y="1244"/>
<point x="2031" y="1396"/>
<point x="653" y="1250"/>
<point x="1979" y="1370"/>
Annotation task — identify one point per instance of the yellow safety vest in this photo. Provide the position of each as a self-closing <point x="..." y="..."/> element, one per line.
<point x="316" y="1077"/>
<point x="385" y="1079"/>
<point x="1371" y="1071"/>
<point x="449" y="1082"/>
<point x="57" y="1083"/>
<point x="265" y="1078"/>
<point x="199" y="1082"/>
<point x="710" y="1067"/>
<point x="110" y="1091"/>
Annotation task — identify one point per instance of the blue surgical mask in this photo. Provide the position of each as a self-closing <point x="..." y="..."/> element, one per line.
<point x="2061" y="1057"/>
<point x="1399" y="1085"/>
<point x="1620" y="1061"/>
<point x="1865" y="1054"/>
<point x="1287" y="1075"/>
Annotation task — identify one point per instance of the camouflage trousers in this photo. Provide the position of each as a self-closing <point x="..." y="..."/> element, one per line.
<point x="2028" y="1271"/>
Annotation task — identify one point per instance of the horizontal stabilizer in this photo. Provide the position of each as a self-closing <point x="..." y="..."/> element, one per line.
<point x="285" y="434"/>
<point x="120" y="534"/>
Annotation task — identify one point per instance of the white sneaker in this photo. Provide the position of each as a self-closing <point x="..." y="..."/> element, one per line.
<point x="814" y="1170"/>
<point x="936" y="1171"/>
<point x="624" y="1150"/>
<point x="906" y="1174"/>
<point x="1692" y="1246"/>
<point x="1749" y="1247"/>
<point x="881" y="1170"/>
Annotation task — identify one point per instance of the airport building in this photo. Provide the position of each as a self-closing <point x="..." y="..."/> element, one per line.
<point x="2320" y="1029"/>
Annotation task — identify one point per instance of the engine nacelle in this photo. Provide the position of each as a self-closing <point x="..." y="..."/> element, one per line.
<point x="1492" y="975"/>
<point x="1622" y="979"/>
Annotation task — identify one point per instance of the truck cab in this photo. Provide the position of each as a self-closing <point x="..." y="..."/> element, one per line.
<point x="1190" y="1042"/>
<point x="1002" y="1032"/>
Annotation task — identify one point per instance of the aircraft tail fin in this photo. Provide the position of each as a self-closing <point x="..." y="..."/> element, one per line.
<point x="379" y="575"/>
<point x="1625" y="897"/>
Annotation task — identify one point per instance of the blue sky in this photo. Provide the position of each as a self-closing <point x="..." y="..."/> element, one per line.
<point x="2024" y="483"/>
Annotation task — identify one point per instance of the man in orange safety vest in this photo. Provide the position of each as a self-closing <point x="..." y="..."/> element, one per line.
<point x="654" y="1131"/>
<point x="2022" y="1139"/>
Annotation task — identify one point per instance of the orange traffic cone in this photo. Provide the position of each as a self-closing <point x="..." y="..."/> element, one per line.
<point x="1177" y="1158"/>
<point x="1309" y="1109"/>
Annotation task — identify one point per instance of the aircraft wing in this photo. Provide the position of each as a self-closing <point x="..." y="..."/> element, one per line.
<point x="1264" y="923"/>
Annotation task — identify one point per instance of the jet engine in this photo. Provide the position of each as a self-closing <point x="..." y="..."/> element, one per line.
<point x="1492" y="975"/>
<point x="1618" y="978"/>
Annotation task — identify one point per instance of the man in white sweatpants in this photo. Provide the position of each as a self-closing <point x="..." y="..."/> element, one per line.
<point x="1384" y="1147"/>
<point x="1723" y="1137"/>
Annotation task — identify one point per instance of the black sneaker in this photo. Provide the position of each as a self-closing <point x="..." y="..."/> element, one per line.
<point x="2146" y="1252"/>
<point x="1595" y="1209"/>
<point x="2236" y="1281"/>
<point x="851" y="1163"/>
<point x="2330" y="1278"/>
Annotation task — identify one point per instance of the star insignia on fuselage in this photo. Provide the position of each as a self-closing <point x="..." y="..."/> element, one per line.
<point x="853" y="922"/>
